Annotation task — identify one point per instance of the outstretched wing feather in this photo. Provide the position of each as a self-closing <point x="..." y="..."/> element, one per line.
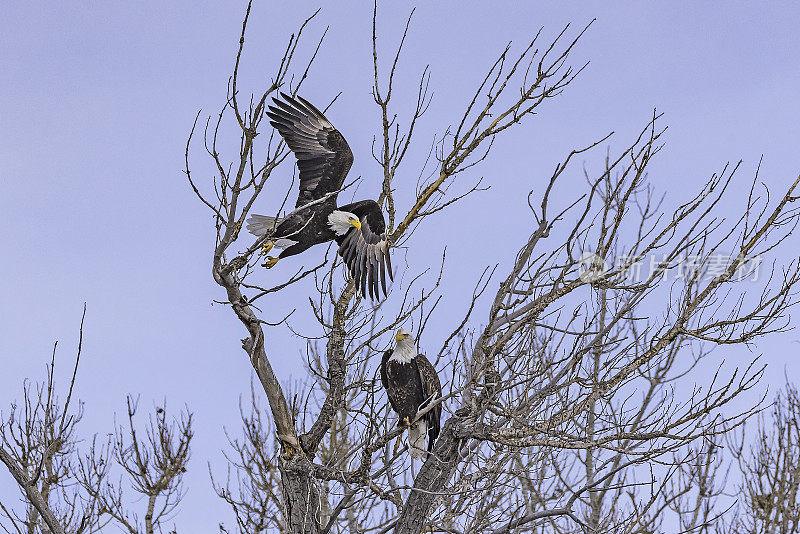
<point x="323" y="155"/>
<point x="383" y="273"/>
<point x="388" y="262"/>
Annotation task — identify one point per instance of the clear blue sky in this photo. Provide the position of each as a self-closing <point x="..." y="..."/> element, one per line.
<point x="97" y="98"/>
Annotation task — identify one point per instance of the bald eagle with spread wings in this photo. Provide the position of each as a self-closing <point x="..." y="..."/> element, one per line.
<point x="412" y="384"/>
<point x="324" y="159"/>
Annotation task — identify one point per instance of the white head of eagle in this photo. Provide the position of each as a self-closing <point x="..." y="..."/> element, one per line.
<point x="341" y="221"/>
<point x="406" y="349"/>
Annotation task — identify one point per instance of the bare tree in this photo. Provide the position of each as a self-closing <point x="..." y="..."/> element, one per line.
<point x="769" y="467"/>
<point x="570" y="387"/>
<point x="561" y="402"/>
<point x="154" y="467"/>
<point x="37" y="445"/>
<point x="760" y="469"/>
<point x="67" y="490"/>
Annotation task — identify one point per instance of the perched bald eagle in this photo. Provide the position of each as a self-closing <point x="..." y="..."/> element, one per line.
<point x="324" y="159"/>
<point x="411" y="383"/>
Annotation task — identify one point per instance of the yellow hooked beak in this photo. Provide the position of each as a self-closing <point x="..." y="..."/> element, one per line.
<point x="399" y="336"/>
<point x="356" y="223"/>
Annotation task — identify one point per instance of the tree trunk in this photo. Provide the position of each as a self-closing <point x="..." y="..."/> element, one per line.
<point x="433" y="476"/>
<point x="300" y="496"/>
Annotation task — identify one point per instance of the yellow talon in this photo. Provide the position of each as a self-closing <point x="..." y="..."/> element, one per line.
<point x="271" y="261"/>
<point x="266" y="247"/>
<point x="407" y="421"/>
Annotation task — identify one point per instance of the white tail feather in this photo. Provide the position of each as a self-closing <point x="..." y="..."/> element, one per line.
<point x="284" y="243"/>
<point x="261" y="224"/>
<point x="416" y="438"/>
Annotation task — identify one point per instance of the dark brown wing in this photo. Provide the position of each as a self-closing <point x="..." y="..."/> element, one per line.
<point x="323" y="155"/>
<point x="395" y="378"/>
<point x="365" y="251"/>
<point x="431" y="390"/>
